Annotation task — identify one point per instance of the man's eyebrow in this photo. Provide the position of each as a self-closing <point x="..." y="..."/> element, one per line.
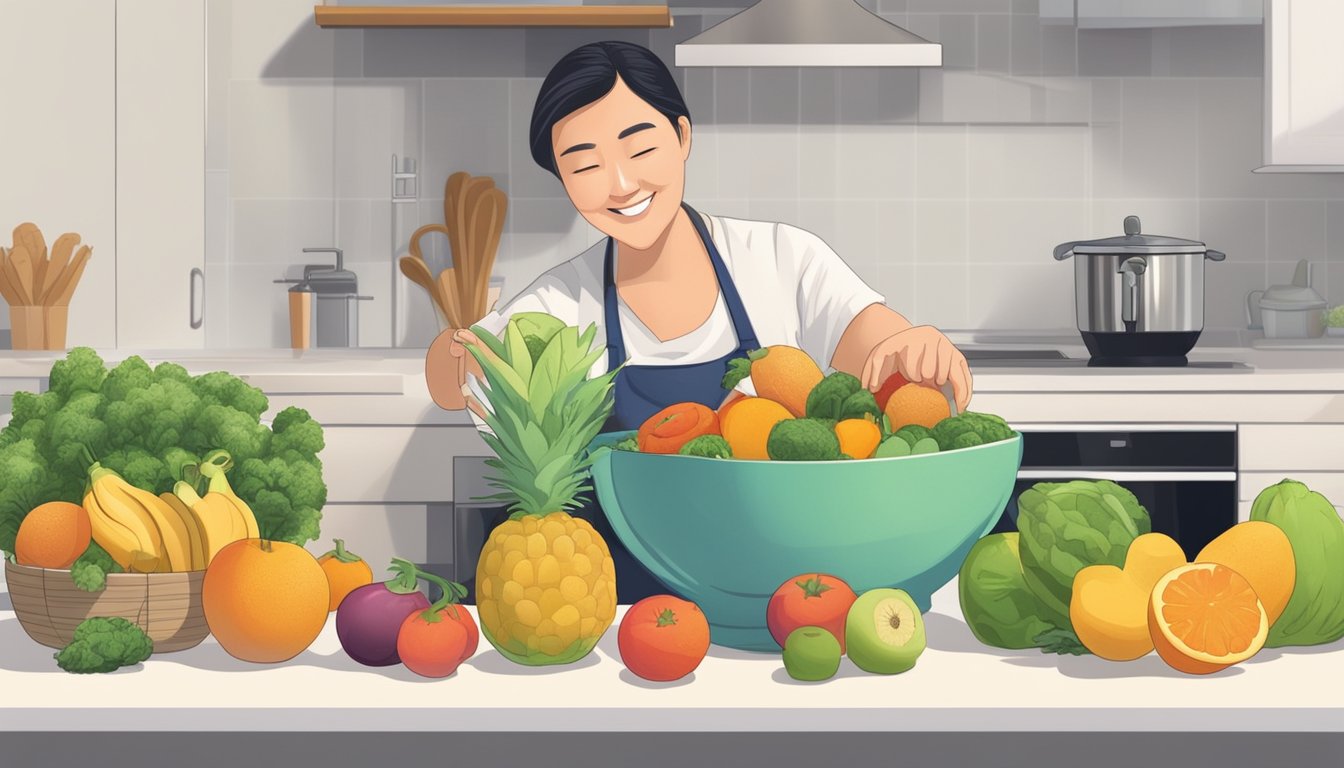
<point x="580" y="148"/>
<point x="634" y="129"/>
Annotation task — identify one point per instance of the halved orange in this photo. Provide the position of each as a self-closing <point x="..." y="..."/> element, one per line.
<point x="1205" y="617"/>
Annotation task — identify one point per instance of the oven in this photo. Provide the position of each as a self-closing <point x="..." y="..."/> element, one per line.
<point x="1186" y="477"/>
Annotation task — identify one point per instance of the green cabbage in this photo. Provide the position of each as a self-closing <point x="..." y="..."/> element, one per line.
<point x="1066" y="527"/>
<point x="995" y="601"/>
<point x="1315" y="612"/>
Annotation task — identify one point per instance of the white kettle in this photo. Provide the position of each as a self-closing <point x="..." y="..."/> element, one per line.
<point x="1293" y="311"/>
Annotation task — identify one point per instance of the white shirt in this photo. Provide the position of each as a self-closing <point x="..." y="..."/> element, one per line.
<point x="795" y="289"/>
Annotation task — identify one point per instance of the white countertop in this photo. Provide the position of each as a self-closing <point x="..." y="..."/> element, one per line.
<point x="958" y="685"/>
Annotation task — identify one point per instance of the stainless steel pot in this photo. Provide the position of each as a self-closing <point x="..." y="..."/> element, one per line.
<point x="1140" y="298"/>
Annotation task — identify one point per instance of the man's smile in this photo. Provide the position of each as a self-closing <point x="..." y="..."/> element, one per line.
<point x="635" y="209"/>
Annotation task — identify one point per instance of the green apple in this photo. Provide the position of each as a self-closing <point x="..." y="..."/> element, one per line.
<point x="884" y="632"/>
<point x="811" y="653"/>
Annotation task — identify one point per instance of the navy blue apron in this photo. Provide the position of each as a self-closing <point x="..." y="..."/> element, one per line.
<point x="643" y="390"/>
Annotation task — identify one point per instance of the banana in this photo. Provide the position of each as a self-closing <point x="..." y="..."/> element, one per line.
<point x="114" y="537"/>
<point x="126" y="523"/>
<point x="214" y="466"/>
<point x="194" y="535"/>
<point x="213" y="520"/>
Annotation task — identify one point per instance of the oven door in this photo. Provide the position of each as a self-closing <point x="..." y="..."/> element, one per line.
<point x="1191" y="507"/>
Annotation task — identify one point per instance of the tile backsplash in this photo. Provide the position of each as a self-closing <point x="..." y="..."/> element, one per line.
<point x="944" y="188"/>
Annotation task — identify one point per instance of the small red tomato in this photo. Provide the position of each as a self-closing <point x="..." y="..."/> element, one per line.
<point x="894" y="382"/>
<point x="433" y="643"/>
<point x="663" y="638"/>
<point x="810" y="600"/>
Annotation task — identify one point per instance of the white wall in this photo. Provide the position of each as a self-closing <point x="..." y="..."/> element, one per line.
<point x="944" y="188"/>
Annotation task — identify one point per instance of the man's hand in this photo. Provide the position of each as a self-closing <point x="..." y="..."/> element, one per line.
<point x="920" y="354"/>
<point x="447" y="364"/>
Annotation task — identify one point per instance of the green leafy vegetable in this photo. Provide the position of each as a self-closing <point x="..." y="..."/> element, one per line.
<point x="841" y="396"/>
<point x="802" y="440"/>
<point x="1061" y="641"/>
<point x="1315" y="613"/>
<point x="90" y="570"/>
<point x="952" y="432"/>
<point x="1066" y="527"/>
<point x="630" y="443"/>
<point x="146" y="423"/>
<point x="739" y="368"/>
<point x="995" y="601"/>
<point x="104" y="645"/>
<point x="709" y="446"/>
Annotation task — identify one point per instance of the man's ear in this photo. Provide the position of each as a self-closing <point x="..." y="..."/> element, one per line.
<point x="684" y="124"/>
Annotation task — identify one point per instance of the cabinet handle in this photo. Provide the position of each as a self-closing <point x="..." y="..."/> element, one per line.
<point x="196" y="318"/>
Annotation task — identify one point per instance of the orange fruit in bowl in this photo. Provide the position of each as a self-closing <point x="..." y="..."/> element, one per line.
<point x="53" y="535"/>
<point x="1205" y="617"/>
<point x="747" y="426"/>
<point x="917" y="404"/>
<point x="1261" y="552"/>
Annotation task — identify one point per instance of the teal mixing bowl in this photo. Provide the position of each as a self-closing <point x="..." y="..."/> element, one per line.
<point x="725" y="534"/>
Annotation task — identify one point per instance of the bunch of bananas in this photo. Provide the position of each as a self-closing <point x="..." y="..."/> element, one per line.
<point x="178" y="531"/>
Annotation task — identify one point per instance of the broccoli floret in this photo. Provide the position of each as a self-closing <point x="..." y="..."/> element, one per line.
<point x="141" y="469"/>
<point x="829" y="398"/>
<point x="948" y="429"/>
<point x="802" y="440"/>
<point x="990" y="427"/>
<point x="25" y="481"/>
<point x="630" y="443"/>
<point x="90" y="571"/>
<point x="75" y="430"/>
<point x="859" y="405"/>
<point x="82" y="370"/>
<point x="104" y="645"/>
<point x="221" y="427"/>
<point x="222" y="388"/>
<point x="286" y="496"/>
<point x="708" y="446"/>
<point x="133" y="374"/>
<point x="155" y="418"/>
<point x="966" y="440"/>
<point x="295" y="430"/>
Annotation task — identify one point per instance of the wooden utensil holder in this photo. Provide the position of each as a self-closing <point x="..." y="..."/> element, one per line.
<point x="38" y="327"/>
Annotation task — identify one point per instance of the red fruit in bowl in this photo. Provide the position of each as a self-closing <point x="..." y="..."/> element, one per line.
<point x="809" y="600"/>
<point x="894" y="382"/>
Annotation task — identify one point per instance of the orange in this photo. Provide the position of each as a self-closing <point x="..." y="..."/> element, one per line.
<point x="345" y="572"/>
<point x="1109" y="606"/>
<point x="53" y="535"/>
<point x="265" y="601"/>
<point x="786" y="375"/>
<point x="858" y="437"/>
<point x="1261" y="552"/>
<point x="917" y="404"/>
<point x="747" y="426"/>
<point x="1205" y="617"/>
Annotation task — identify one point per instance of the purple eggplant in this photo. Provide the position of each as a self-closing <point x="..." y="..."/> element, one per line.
<point x="369" y="619"/>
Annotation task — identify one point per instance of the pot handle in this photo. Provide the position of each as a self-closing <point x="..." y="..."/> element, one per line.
<point x="1131" y="268"/>
<point x="1213" y="255"/>
<point x="1065" y="250"/>
<point x="1253" y="319"/>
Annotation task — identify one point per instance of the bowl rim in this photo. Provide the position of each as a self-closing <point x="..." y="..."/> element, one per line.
<point x="609" y="437"/>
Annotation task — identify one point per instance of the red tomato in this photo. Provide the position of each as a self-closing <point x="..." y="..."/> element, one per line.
<point x="663" y="638"/>
<point x="433" y="645"/>
<point x="894" y="382"/>
<point x="810" y="600"/>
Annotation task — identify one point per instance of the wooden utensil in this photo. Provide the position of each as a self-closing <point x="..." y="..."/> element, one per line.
<point x="499" y="208"/>
<point x="450" y="291"/>
<point x="485" y="220"/>
<point x="469" y="273"/>
<point x="453" y="218"/>
<point x="30" y="237"/>
<point x="64" y="289"/>
<point x="19" y="265"/>
<point x="416" y="269"/>
<point x="61" y="251"/>
<point x="6" y="289"/>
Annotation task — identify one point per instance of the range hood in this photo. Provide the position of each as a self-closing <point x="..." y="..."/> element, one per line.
<point x="807" y="33"/>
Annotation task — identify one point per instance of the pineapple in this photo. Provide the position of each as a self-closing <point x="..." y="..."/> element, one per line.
<point x="545" y="581"/>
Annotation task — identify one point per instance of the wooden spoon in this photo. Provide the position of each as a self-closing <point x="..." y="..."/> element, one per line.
<point x="469" y="274"/>
<point x="490" y="228"/>
<point x="19" y="268"/>
<point x="6" y="288"/>
<point x="418" y="271"/>
<point x="61" y="251"/>
<point x="30" y="237"/>
<point x="65" y="286"/>
<point x="449" y="290"/>
<point x="452" y="212"/>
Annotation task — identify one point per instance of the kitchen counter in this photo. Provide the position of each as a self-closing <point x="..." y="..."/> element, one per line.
<point x="958" y="685"/>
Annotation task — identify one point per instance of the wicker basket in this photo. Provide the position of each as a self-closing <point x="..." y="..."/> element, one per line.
<point x="167" y="606"/>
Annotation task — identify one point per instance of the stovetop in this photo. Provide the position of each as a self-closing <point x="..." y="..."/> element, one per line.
<point x="991" y="357"/>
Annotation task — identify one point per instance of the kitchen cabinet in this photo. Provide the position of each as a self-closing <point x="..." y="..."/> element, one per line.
<point x="160" y="155"/>
<point x="1131" y="14"/>
<point x="1304" y="87"/>
<point x="1304" y="452"/>
<point x="57" y="143"/>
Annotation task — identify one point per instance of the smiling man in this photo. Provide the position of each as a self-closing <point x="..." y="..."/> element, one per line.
<point x="677" y="294"/>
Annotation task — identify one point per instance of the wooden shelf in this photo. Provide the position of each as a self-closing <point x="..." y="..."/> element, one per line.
<point x="493" y="16"/>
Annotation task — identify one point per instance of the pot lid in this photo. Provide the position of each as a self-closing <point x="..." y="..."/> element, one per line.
<point x="1134" y="241"/>
<point x="1291" y="297"/>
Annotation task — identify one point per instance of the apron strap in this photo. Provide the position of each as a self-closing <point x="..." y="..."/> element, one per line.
<point x="742" y="328"/>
